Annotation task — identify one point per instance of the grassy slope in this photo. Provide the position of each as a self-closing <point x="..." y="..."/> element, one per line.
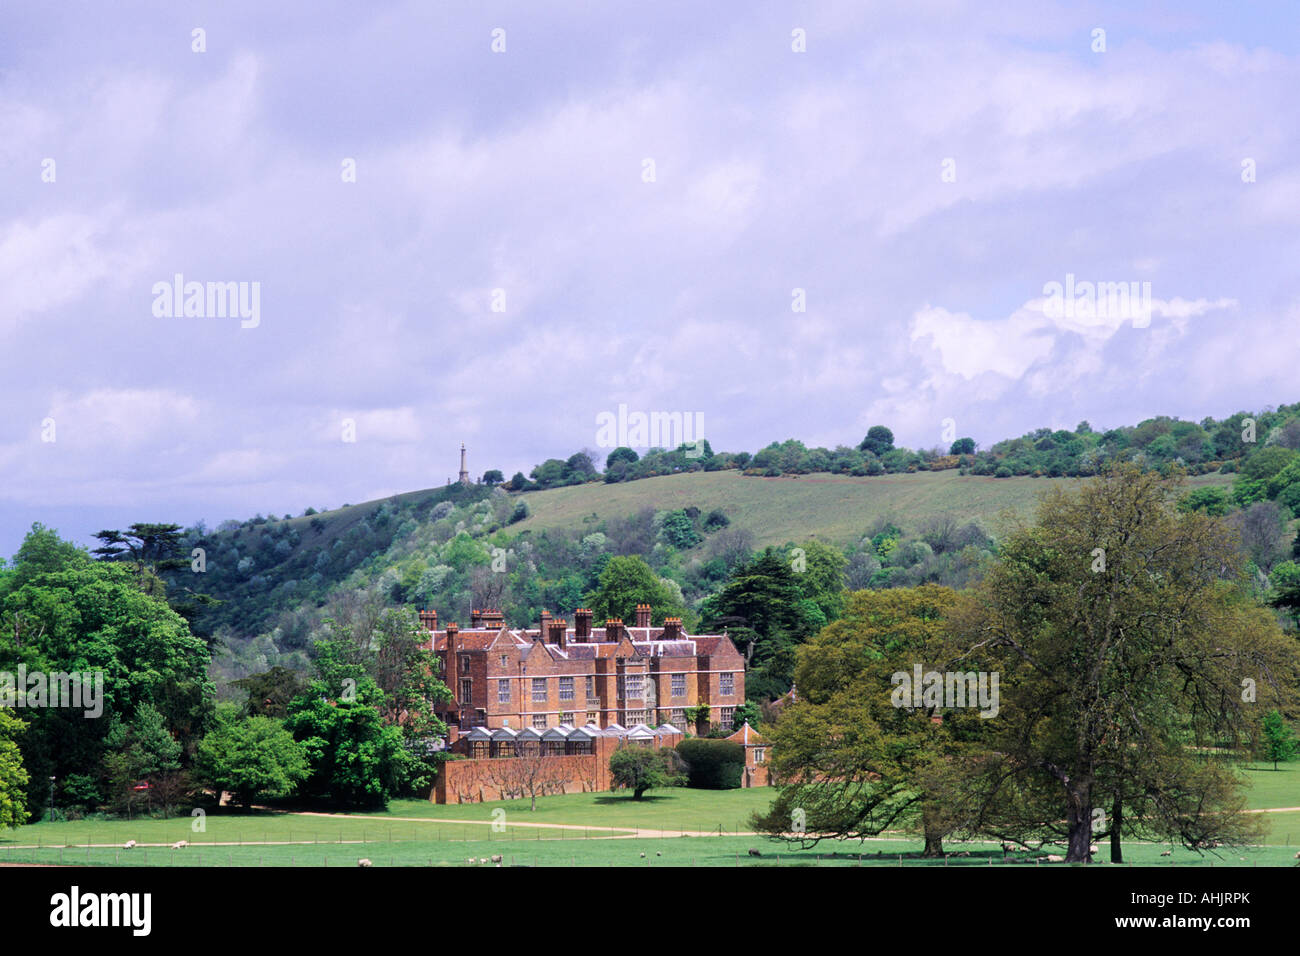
<point x="833" y="508"/>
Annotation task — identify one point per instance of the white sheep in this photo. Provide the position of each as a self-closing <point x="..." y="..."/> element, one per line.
<point x="180" y="845"/>
<point x="128" y="845"/>
<point x="1055" y="858"/>
<point x="364" y="863"/>
<point x="1167" y="853"/>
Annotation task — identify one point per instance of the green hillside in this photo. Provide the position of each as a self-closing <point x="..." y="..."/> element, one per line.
<point x="833" y="508"/>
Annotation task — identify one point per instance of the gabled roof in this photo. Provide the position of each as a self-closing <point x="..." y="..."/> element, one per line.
<point x="748" y="736"/>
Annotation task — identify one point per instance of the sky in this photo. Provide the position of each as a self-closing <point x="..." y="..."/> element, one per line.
<point x="496" y="222"/>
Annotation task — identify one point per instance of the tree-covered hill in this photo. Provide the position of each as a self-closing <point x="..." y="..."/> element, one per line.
<point x="277" y="579"/>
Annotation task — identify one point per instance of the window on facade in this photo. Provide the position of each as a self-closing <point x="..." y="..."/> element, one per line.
<point x="566" y="688"/>
<point x="591" y="687"/>
<point x="566" y="717"/>
<point x="679" y="685"/>
<point x="758" y="754"/>
<point x="466" y="686"/>
<point x="728" y="717"/>
<point x="593" y="717"/>
<point x="634" y="717"/>
<point x="678" y="718"/>
<point x="503" y="692"/>
<point x="464" y="665"/>
<point x="728" y="683"/>
<point x="505" y="661"/>
<point x="634" y="686"/>
<point x="539" y="690"/>
<point x="539" y="721"/>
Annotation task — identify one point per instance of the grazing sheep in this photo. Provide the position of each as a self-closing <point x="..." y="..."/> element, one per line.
<point x="180" y="845"/>
<point x="364" y="863"/>
<point x="643" y="856"/>
<point x="482" y="859"/>
<point x="498" y="858"/>
<point x="753" y="852"/>
<point x="128" y="845"/>
<point x="1055" y="858"/>
<point x="1297" y="856"/>
<point x="1167" y="853"/>
<point x="1093" y="848"/>
<point x="470" y="860"/>
<point x="657" y="853"/>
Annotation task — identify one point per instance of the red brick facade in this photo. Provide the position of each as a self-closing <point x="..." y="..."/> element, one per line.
<point x="576" y="675"/>
<point x="757" y="751"/>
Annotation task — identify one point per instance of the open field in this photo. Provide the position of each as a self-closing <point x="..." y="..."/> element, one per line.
<point x="833" y="508"/>
<point x="581" y="829"/>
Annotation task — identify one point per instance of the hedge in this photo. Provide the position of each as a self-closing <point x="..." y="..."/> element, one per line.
<point x="712" y="764"/>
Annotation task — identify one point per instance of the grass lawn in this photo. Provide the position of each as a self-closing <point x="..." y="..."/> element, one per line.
<point x="1272" y="788"/>
<point x="434" y="838"/>
<point x="669" y="851"/>
<point x="674" y="808"/>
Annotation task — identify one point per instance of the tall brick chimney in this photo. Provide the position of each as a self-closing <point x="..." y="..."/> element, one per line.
<point x="429" y="620"/>
<point x="581" y="625"/>
<point x="494" y="619"/>
<point x="453" y="641"/>
<point x="672" y="629"/>
<point x="559" y="632"/>
<point x="475" y="619"/>
<point x="643" y="615"/>
<point x="544" y="631"/>
<point x="613" y="629"/>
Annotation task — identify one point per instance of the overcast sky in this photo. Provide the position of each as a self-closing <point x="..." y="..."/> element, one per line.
<point x="921" y="176"/>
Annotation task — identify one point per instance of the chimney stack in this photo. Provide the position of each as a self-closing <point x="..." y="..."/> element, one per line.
<point x="494" y="619"/>
<point x="559" y="632"/>
<point x="582" y="625"/>
<point x="672" y="629"/>
<point x="453" y="635"/>
<point x="544" y="632"/>
<point x="429" y="620"/>
<point x="475" y="619"/>
<point x="643" y="615"/>
<point x="613" y="629"/>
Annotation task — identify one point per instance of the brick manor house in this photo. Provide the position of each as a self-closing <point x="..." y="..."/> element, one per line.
<point x="556" y="675"/>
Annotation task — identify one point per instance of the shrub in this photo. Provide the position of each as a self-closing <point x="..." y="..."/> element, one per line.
<point x="712" y="764"/>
